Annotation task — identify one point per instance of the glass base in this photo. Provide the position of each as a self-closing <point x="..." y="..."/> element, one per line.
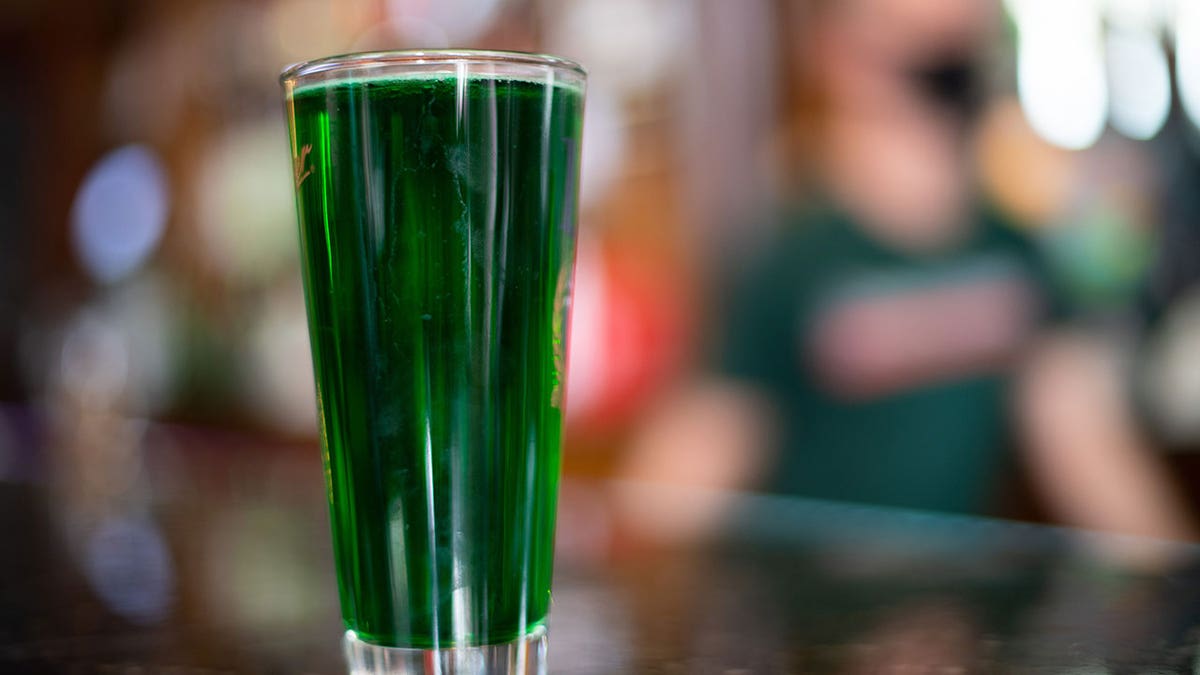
<point x="526" y="656"/>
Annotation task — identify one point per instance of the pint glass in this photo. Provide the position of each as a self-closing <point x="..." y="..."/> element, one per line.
<point x="436" y="200"/>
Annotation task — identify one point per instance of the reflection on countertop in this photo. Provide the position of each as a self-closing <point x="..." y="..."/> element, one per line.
<point x="223" y="565"/>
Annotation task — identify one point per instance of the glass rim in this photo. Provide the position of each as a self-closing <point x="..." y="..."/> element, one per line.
<point x="340" y="62"/>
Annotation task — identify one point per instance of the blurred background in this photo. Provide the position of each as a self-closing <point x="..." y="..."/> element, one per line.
<point x="1000" y="199"/>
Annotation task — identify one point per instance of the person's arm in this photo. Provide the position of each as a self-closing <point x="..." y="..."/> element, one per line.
<point x="1087" y="459"/>
<point x="701" y="443"/>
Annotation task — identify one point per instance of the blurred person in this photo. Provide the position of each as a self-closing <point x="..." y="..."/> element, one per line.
<point x="893" y="344"/>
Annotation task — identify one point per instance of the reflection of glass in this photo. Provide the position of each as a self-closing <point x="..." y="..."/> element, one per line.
<point x="436" y="198"/>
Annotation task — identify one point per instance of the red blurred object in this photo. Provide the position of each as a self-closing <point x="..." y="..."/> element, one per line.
<point x="631" y="332"/>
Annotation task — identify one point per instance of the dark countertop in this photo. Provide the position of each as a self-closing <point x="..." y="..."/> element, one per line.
<point x="208" y="553"/>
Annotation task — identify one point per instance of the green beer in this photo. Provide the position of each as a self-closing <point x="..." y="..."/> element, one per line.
<point x="437" y="217"/>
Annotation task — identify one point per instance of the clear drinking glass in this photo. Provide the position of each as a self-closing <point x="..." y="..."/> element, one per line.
<point x="436" y="195"/>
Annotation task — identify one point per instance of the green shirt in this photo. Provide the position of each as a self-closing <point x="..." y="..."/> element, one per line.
<point x="889" y="370"/>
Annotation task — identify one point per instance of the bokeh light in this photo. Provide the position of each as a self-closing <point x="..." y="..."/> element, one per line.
<point x="1139" y="82"/>
<point x="443" y="23"/>
<point x="629" y="45"/>
<point x="604" y="146"/>
<point x="1172" y="376"/>
<point x="1061" y="69"/>
<point x="120" y="212"/>
<point x="244" y="196"/>
<point x="130" y="568"/>
<point x="280" y="387"/>
<point x="1187" y="57"/>
<point x="120" y="352"/>
<point x="95" y="360"/>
